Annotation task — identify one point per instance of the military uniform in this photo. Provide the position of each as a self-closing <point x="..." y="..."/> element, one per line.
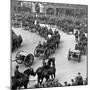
<point x="79" y="79"/>
<point x="45" y="64"/>
<point x="17" y="74"/>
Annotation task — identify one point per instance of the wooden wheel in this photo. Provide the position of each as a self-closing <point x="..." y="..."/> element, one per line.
<point x="17" y="55"/>
<point x="29" y="59"/>
<point x="35" y="53"/>
<point x="19" y="59"/>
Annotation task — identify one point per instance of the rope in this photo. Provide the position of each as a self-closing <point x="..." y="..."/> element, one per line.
<point x="13" y="60"/>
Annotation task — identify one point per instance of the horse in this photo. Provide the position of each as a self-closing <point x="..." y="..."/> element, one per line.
<point x="46" y="73"/>
<point x="23" y="81"/>
<point x="51" y="60"/>
<point x="39" y="74"/>
<point x="43" y="72"/>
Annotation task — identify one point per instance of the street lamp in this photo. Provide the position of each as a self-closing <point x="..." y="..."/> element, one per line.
<point x="37" y="10"/>
<point x="45" y="10"/>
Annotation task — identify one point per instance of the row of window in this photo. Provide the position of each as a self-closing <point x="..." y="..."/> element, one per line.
<point x="36" y="8"/>
<point x="65" y="11"/>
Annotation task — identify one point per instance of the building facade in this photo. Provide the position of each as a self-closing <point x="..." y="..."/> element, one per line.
<point x="52" y="9"/>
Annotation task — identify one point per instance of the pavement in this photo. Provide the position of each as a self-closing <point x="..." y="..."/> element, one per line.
<point x="65" y="70"/>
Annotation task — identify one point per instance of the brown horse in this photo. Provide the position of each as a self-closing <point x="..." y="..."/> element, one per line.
<point x="23" y="81"/>
<point x="43" y="72"/>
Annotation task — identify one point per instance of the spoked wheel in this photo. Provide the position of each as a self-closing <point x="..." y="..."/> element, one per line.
<point x="29" y="59"/>
<point x="17" y="55"/>
<point x="19" y="59"/>
<point x="35" y="53"/>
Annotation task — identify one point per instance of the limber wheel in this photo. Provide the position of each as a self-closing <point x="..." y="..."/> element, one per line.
<point x="35" y="53"/>
<point x="29" y="59"/>
<point x="19" y="59"/>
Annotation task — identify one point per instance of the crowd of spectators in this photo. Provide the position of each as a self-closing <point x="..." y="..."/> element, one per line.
<point x="78" y="80"/>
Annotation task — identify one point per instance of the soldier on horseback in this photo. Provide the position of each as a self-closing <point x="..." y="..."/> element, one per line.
<point x="21" y="79"/>
<point x="39" y="45"/>
<point x="44" y="44"/>
<point x="76" y="35"/>
<point x="45" y="64"/>
<point x="51" y="61"/>
<point x="17" y="73"/>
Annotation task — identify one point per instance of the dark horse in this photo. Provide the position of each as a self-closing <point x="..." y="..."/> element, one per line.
<point x="51" y="60"/>
<point x="23" y="81"/>
<point x="39" y="74"/>
<point x="46" y="72"/>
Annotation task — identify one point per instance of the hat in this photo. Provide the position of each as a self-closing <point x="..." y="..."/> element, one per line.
<point x="65" y="82"/>
<point x="17" y="66"/>
<point x="43" y="58"/>
<point x="72" y="80"/>
<point x="79" y="73"/>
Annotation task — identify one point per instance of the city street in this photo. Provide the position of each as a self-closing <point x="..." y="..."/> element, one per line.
<point x="65" y="70"/>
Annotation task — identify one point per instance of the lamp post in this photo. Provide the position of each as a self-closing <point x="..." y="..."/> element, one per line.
<point x="35" y="18"/>
<point x="45" y="10"/>
<point x="37" y="10"/>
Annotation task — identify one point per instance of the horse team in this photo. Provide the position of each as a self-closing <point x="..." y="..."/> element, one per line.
<point x="81" y="40"/>
<point x="51" y="43"/>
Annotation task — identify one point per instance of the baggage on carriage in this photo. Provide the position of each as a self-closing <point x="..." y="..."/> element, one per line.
<point x="41" y="51"/>
<point x="74" y="55"/>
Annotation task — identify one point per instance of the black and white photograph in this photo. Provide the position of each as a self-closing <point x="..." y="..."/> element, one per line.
<point x="49" y="44"/>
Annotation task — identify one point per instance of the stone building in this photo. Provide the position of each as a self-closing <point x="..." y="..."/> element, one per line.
<point x="65" y="9"/>
<point x="52" y="9"/>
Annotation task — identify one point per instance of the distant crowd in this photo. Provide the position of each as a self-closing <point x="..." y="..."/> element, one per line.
<point x="79" y="80"/>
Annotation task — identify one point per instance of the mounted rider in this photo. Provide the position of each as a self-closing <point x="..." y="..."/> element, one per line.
<point x="45" y="64"/>
<point x="47" y="53"/>
<point x="48" y="62"/>
<point x="51" y="62"/>
<point x="17" y="73"/>
<point x="55" y="32"/>
<point x="44" y="44"/>
<point x="49" y="39"/>
<point x="76" y="35"/>
<point x="50" y="31"/>
<point x="39" y="45"/>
